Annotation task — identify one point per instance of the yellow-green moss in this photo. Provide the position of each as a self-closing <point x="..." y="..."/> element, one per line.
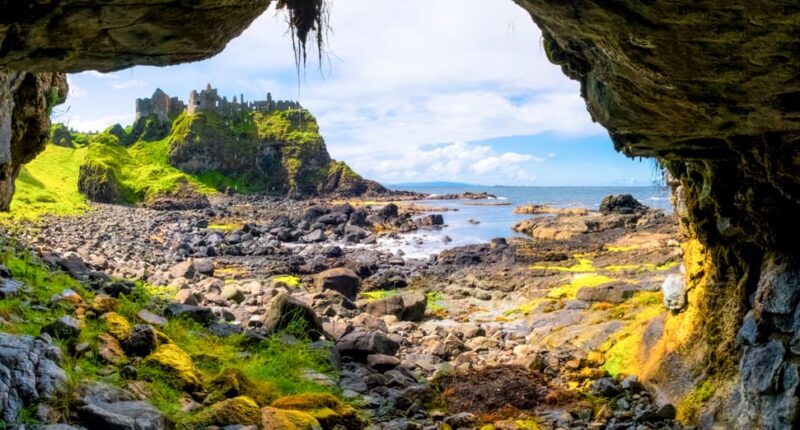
<point x="691" y="404"/>
<point x="238" y="410"/>
<point x="327" y="409"/>
<point x="584" y="265"/>
<point x="578" y="281"/>
<point x="117" y="325"/>
<point x="177" y="362"/>
<point x="279" y="419"/>
<point x="290" y="281"/>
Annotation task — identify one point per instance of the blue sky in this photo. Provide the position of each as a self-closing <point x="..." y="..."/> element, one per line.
<point x="403" y="96"/>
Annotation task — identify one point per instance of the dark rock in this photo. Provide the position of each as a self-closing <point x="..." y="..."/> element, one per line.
<point x="387" y="279"/>
<point x="73" y="264"/>
<point x="284" y="310"/>
<point x="105" y="407"/>
<point x="406" y="306"/>
<point x="204" y="266"/>
<point x="198" y="314"/>
<point x="185" y="269"/>
<point x="141" y="341"/>
<point x="30" y="374"/>
<point x="382" y="362"/>
<point x="342" y="280"/>
<point x="360" y="343"/>
<point x="431" y="220"/>
<point x="388" y="211"/>
<point x="623" y="204"/>
<point x="10" y="288"/>
<point x="64" y="328"/>
<point x="749" y="333"/>
<point x="666" y="412"/>
<point x="605" y="387"/>
<point x="222" y="329"/>
<point x="613" y="293"/>
<point x="760" y="367"/>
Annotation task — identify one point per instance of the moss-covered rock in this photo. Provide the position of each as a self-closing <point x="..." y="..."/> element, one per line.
<point x="117" y="325"/>
<point x="279" y="419"/>
<point x="60" y="135"/>
<point x="324" y="407"/>
<point x="238" y="410"/>
<point x="233" y="383"/>
<point x="172" y="359"/>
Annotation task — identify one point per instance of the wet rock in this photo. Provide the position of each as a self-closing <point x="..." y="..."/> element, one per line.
<point x="674" y="289"/>
<point x="342" y="280"/>
<point x="623" y="204"/>
<point x="431" y="220"/>
<point x="30" y="373"/>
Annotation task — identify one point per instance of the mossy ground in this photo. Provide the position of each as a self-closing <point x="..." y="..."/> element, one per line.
<point x="273" y="363"/>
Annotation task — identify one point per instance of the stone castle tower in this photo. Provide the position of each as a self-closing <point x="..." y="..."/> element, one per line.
<point x="165" y="107"/>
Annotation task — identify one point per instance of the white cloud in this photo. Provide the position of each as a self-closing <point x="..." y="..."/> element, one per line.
<point x="97" y="123"/>
<point x="128" y="84"/>
<point x="96" y="74"/>
<point x="75" y="90"/>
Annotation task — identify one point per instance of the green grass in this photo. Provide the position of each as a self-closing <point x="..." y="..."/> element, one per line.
<point x="49" y="184"/>
<point x="271" y="363"/>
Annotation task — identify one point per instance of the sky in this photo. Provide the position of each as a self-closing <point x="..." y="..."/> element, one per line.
<point x="420" y="91"/>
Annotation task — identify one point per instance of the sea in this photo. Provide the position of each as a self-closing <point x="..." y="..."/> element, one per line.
<point x="494" y="218"/>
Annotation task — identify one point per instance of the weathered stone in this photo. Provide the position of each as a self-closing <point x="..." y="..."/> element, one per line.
<point x="674" y="289"/>
<point x="284" y="310"/>
<point x="278" y="419"/>
<point x="405" y="306"/>
<point x="760" y="367"/>
<point x="382" y="362"/>
<point x="184" y="269"/>
<point x="109" y="350"/>
<point x="611" y="293"/>
<point x="197" y="314"/>
<point x="29" y="374"/>
<point x="151" y="318"/>
<point x="141" y="341"/>
<point x="10" y="288"/>
<point x="73" y="264"/>
<point x="65" y="328"/>
<point x="361" y="343"/>
<point x="232" y="293"/>
<point x="106" y="407"/>
<point x="342" y="280"/>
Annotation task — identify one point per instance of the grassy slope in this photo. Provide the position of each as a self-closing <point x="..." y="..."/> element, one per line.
<point x="274" y="364"/>
<point x="48" y="185"/>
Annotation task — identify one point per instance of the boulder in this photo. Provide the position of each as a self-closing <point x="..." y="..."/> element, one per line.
<point x="30" y="373"/>
<point x="184" y="269"/>
<point x="204" y="266"/>
<point x="278" y="419"/>
<point x="622" y="204"/>
<point x="388" y="211"/>
<point x="329" y="411"/>
<point x="342" y="280"/>
<point x="73" y="264"/>
<point x="198" y="314"/>
<point x="117" y="325"/>
<point x="674" y="289"/>
<point x="64" y="328"/>
<point x="431" y="220"/>
<point x="284" y="310"/>
<point x="177" y="362"/>
<point x="10" y="288"/>
<point x="240" y="410"/>
<point x="382" y="362"/>
<point x="151" y="318"/>
<point x="102" y="406"/>
<point x="233" y="383"/>
<point x="141" y="341"/>
<point x="609" y="293"/>
<point x="360" y="343"/>
<point x="109" y="350"/>
<point x="406" y="306"/>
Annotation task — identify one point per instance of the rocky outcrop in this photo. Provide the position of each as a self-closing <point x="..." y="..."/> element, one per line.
<point x="29" y="373"/>
<point x="709" y="88"/>
<point x="72" y="36"/>
<point x="26" y="100"/>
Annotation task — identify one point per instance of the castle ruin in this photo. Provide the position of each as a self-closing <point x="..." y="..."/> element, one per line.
<point x="165" y="107"/>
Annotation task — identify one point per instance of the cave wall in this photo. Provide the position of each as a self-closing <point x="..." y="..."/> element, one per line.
<point x="712" y="90"/>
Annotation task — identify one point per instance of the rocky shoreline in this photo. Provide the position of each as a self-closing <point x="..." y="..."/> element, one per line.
<point x="541" y="318"/>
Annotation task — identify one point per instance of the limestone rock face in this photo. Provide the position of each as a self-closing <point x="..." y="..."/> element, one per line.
<point x="71" y="36"/>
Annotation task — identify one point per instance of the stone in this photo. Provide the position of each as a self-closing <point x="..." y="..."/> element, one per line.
<point x="117" y="325"/>
<point x="778" y="290"/>
<point x="609" y="293"/>
<point x="605" y="387"/>
<point x="329" y="411"/>
<point x="315" y="236"/>
<point x="197" y="314"/>
<point x="151" y="318"/>
<point x="64" y="328"/>
<point x="388" y="211"/>
<point x="103" y="303"/>
<point x="177" y="362"/>
<point x="342" y="280"/>
<point x="405" y="306"/>
<point x="360" y="343"/>
<point x="749" y="333"/>
<point x="238" y="410"/>
<point x="106" y="407"/>
<point x="10" y="288"/>
<point x="283" y="310"/>
<point x="30" y="374"/>
<point x="74" y="265"/>
<point x="186" y="297"/>
<point x="231" y="383"/>
<point x="674" y="289"/>
<point x="232" y="293"/>
<point x="109" y="350"/>
<point x="760" y="367"/>
<point x="204" y="266"/>
<point x="277" y="419"/>
<point x="623" y="204"/>
<point x="382" y="362"/>
<point x="666" y="412"/>
<point x="184" y="269"/>
<point x="141" y="341"/>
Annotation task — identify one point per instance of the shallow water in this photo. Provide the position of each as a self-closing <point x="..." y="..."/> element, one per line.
<point x="496" y="220"/>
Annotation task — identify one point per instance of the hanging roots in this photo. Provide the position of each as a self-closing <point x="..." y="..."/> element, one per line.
<point x="306" y="17"/>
